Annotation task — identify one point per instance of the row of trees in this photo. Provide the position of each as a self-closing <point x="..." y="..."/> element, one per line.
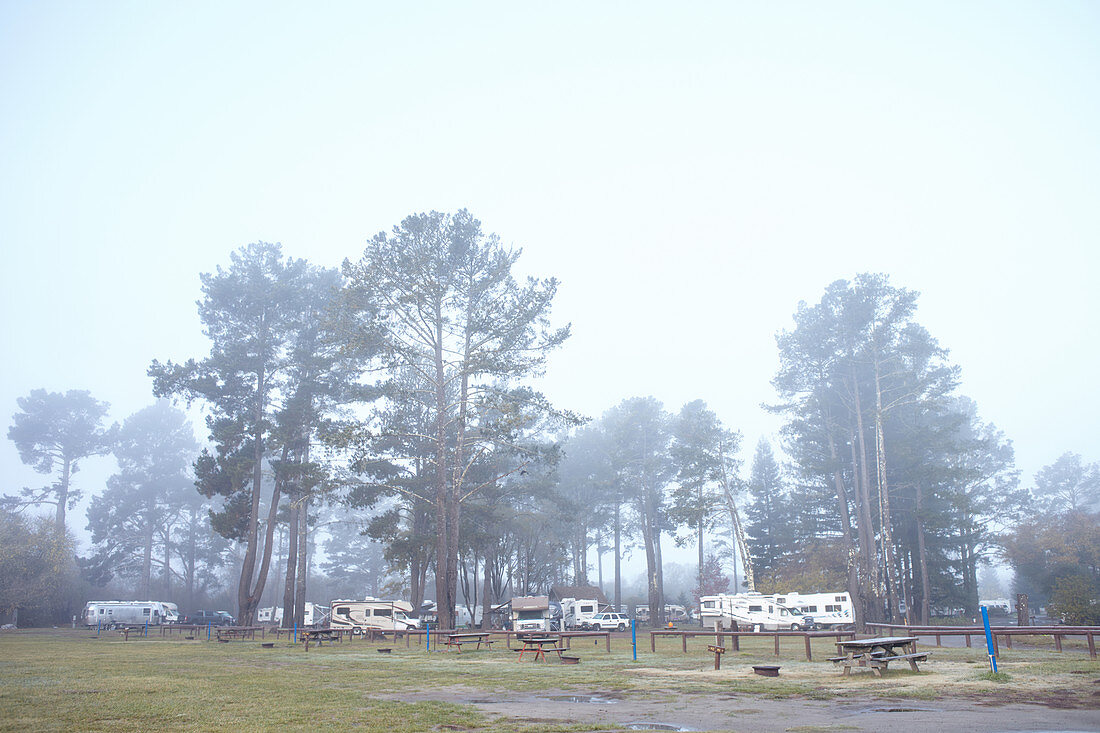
<point x="393" y="393"/>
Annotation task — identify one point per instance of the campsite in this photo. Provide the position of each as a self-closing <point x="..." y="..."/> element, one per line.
<point x="73" y="680"/>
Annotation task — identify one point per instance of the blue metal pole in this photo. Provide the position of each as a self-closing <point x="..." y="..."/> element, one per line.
<point x="634" y="637"/>
<point x="989" y="641"/>
<point x="295" y="632"/>
<point x="97" y="627"/>
<point x="208" y="631"/>
<point x="145" y="632"/>
<point x="428" y="635"/>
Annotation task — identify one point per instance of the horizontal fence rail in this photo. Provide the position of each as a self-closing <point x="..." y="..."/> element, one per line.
<point x="999" y="633"/>
<point x="735" y="638"/>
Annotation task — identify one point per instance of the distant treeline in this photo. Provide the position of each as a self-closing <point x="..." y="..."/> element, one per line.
<point x="385" y="408"/>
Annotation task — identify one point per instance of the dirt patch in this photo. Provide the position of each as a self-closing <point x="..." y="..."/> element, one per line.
<point x="704" y="711"/>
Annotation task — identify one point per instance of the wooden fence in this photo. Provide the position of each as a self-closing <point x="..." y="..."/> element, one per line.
<point x="735" y="638"/>
<point x="999" y="633"/>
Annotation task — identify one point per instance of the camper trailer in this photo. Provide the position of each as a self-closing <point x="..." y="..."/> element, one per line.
<point x="828" y="610"/>
<point x="531" y="613"/>
<point x="578" y="613"/>
<point x="128" y="613"/>
<point x="677" y="614"/>
<point x="463" y="618"/>
<point x="314" y="615"/>
<point x="372" y="613"/>
<point x="752" y="610"/>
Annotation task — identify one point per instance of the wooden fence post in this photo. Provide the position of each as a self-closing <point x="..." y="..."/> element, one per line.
<point x="809" y="655"/>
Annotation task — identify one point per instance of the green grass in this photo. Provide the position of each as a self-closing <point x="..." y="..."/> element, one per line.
<point x="69" y="680"/>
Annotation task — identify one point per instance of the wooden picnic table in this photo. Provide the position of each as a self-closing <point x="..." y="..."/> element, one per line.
<point x="228" y="633"/>
<point x="540" y="645"/>
<point x="319" y="636"/>
<point x="478" y="637"/>
<point x="876" y="654"/>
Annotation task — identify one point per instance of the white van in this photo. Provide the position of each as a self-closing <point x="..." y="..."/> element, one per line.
<point x="372" y="613"/>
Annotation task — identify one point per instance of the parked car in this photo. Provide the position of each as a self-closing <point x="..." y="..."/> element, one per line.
<point x="609" y="621"/>
<point x="214" y="618"/>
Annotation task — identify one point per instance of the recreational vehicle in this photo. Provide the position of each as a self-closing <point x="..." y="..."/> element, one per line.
<point x="531" y="613"/>
<point x="372" y="613"/>
<point x="127" y="613"/>
<point x="828" y="610"/>
<point x="314" y="615"/>
<point x="752" y="610"/>
<point x="578" y="613"/>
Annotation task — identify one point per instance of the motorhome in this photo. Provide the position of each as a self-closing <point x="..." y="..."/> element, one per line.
<point x="463" y="617"/>
<point x="828" y="610"/>
<point x="752" y="610"/>
<point x="171" y="613"/>
<point x="531" y="613"/>
<point x="128" y="613"/>
<point x="676" y="614"/>
<point x="315" y="615"/>
<point x="372" y="613"/>
<point x="578" y="613"/>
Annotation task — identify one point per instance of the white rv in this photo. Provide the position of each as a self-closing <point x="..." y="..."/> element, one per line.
<point x="578" y="613"/>
<point x="110" y="614"/>
<point x="314" y="615"/>
<point x="463" y="617"/>
<point x="753" y="610"/>
<point x="171" y="613"/>
<point x="531" y="613"/>
<point x="372" y="613"/>
<point x="829" y="610"/>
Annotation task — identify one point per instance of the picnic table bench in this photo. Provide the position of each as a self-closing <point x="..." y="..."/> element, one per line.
<point x="319" y="636"/>
<point x="479" y="638"/>
<point x="876" y="654"/>
<point x="229" y="633"/>
<point x="540" y="645"/>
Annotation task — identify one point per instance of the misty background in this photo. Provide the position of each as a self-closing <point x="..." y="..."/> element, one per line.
<point x="688" y="174"/>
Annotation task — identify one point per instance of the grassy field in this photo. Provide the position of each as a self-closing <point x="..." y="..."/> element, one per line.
<point x="71" y="680"/>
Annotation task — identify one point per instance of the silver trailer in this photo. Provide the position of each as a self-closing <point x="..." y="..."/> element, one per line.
<point x="109" y="614"/>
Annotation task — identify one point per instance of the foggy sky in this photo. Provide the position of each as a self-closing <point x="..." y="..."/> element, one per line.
<point x="688" y="173"/>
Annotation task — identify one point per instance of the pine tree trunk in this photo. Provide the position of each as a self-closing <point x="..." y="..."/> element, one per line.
<point x="63" y="492"/>
<point x="851" y="551"/>
<point x="618" y="558"/>
<point x="167" y="562"/>
<point x="301" y="574"/>
<point x="246" y="605"/>
<point x="290" y="583"/>
<point x="922" y="563"/>
<point x="147" y="562"/>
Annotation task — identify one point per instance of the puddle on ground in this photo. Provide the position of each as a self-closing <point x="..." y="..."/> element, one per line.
<point x="864" y="711"/>
<point x="647" y="725"/>
<point x="592" y="699"/>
